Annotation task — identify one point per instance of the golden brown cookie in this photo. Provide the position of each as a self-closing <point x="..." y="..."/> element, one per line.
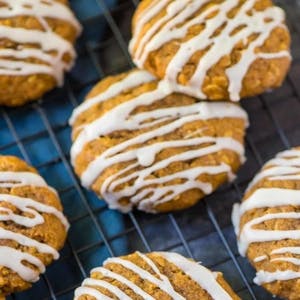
<point x="32" y="225"/>
<point x="267" y="224"/>
<point x="156" y="275"/>
<point x="214" y="50"/>
<point x="36" y="48"/>
<point x="137" y="144"/>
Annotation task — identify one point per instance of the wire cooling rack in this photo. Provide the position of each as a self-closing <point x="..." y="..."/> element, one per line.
<point x="39" y="133"/>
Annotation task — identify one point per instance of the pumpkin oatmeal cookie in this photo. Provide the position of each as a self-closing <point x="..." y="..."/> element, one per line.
<point x="156" y="275"/>
<point x="267" y="224"/>
<point x="138" y="144"/>
<point x="36" y="48"/>
<point x="32" y="225"/>
<point x="215" y="50"/>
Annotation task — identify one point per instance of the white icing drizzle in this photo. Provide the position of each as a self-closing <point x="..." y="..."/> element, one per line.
<point x="11" y="59"/>
<point x="164" y="278"/>
<point x="260" y="258"/>
<point x="16" y="179"/>
<point x="170" y="27"/>
<point x="131" y="81"/>
<point x="292" y="153"/>
<point x="289" y="250"/>
<point x="167" y="193"/>
<point x="249" y="235"/>
<point x="162" y="283"/>
<point x="293" y="260"/>
<point x="153" y="9"/>
<point x="122" y="279"/>
<point x="285" y="166"/>
<point x="279" y="197"/>
<point x="294" y="250"/>
<point x="31" y="216"/>
<point x="121" y="118"/>
<point x="86" y="289"/>
<point x="15" y="263"/>
<point x="29" y="206"/>
<point x="25" y="241"/>
<point x="287" y="173"/>
<point x="263" y="277"/>
<point x="202" y="276"/>
<point x="45" y="9"/>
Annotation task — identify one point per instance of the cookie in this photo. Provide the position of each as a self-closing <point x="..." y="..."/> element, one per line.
<point x="156" y="275"/>
<point x="138" y="144"/>
<point x="216" y="50"/>
<point x="267" y="224"/>
<point x="32" y="225"/>
<point x="36" y="48"/>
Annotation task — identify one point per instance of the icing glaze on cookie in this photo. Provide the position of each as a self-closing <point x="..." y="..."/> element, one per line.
<point x="199" y="274"/>
<point x="284" y="167"/>
<point x="30" y="216"/>
<point x="120" y="118"/>
<point x="175" y="25"/>
<point x="51" y="47"/>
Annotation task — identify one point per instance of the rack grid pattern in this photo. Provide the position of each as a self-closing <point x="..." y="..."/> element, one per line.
<point x="39" y="133"/>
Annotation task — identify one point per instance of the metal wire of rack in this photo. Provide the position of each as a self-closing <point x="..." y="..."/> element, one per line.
<point x="39" y="133"/>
